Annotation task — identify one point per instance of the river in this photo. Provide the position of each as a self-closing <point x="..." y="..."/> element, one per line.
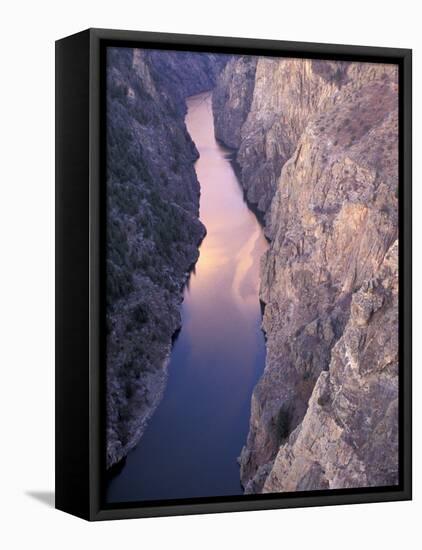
<point x="191" y="445"/>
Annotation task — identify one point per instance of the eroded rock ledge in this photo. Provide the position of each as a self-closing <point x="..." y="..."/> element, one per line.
<point x="318" y="155"/>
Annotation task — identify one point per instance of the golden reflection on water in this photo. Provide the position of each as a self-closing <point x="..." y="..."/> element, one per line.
<point x="222" y="298"/>
<point x="196" y="434"/>
<point x="234" y="241"/>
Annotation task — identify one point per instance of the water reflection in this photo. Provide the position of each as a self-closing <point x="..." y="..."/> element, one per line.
<point x="194" y="438"/>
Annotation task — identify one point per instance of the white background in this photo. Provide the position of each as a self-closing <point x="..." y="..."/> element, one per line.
<point x="27" y="273"/>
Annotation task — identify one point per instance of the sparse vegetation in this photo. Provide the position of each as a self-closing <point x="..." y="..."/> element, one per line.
<point x="152" y="230"/>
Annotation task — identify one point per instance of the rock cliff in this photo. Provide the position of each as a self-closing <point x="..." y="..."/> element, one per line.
<point x="318" y="155"/>
<point x="153" y="229"/>
<point x="348" y="437"/>
<point x="231" y="99"/>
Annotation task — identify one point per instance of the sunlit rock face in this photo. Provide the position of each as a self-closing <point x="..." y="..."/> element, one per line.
<point x="318" y="154"/>
<point x="152" y="223"/>
<point x="262" y="106"/>
<point x="349" y="436"/>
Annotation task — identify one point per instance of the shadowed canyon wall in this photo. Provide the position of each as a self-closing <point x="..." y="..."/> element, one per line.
<point x="153" y="230"/>
<point x="317" y="149"/>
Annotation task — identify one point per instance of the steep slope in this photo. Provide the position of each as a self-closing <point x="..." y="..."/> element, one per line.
<point x="231" y="99"/>
<point x="183" y="74"/>
<point x="349" y="436"/>
<point x="331" y="130"/>
<point x="267" y="103"/>
<point x="152" y="226"/>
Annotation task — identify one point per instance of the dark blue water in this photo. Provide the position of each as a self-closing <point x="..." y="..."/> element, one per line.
<point x="192" y="442"/>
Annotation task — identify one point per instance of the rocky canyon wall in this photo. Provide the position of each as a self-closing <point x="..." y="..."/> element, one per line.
<point x="317" y="147"/>
<point x="153" y="230"/>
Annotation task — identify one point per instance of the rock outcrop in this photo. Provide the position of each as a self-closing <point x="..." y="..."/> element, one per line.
<point x="153" y="229"/>
<point x="318" y="155"/>
<point x="349" y="437"/>
<point x="231" y="99"/>
<point x="282" y="94"/>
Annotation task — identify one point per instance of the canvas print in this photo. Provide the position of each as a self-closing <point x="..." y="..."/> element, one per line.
<point x="251" y="275"/>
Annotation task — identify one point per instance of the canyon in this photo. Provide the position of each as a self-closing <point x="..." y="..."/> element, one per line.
<point x="315" y="147"/>
<point x="153" y="230"/>
<point x="192" y="442"/>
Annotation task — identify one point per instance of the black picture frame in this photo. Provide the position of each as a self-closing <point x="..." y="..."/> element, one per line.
<point x="80" y="140"/>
